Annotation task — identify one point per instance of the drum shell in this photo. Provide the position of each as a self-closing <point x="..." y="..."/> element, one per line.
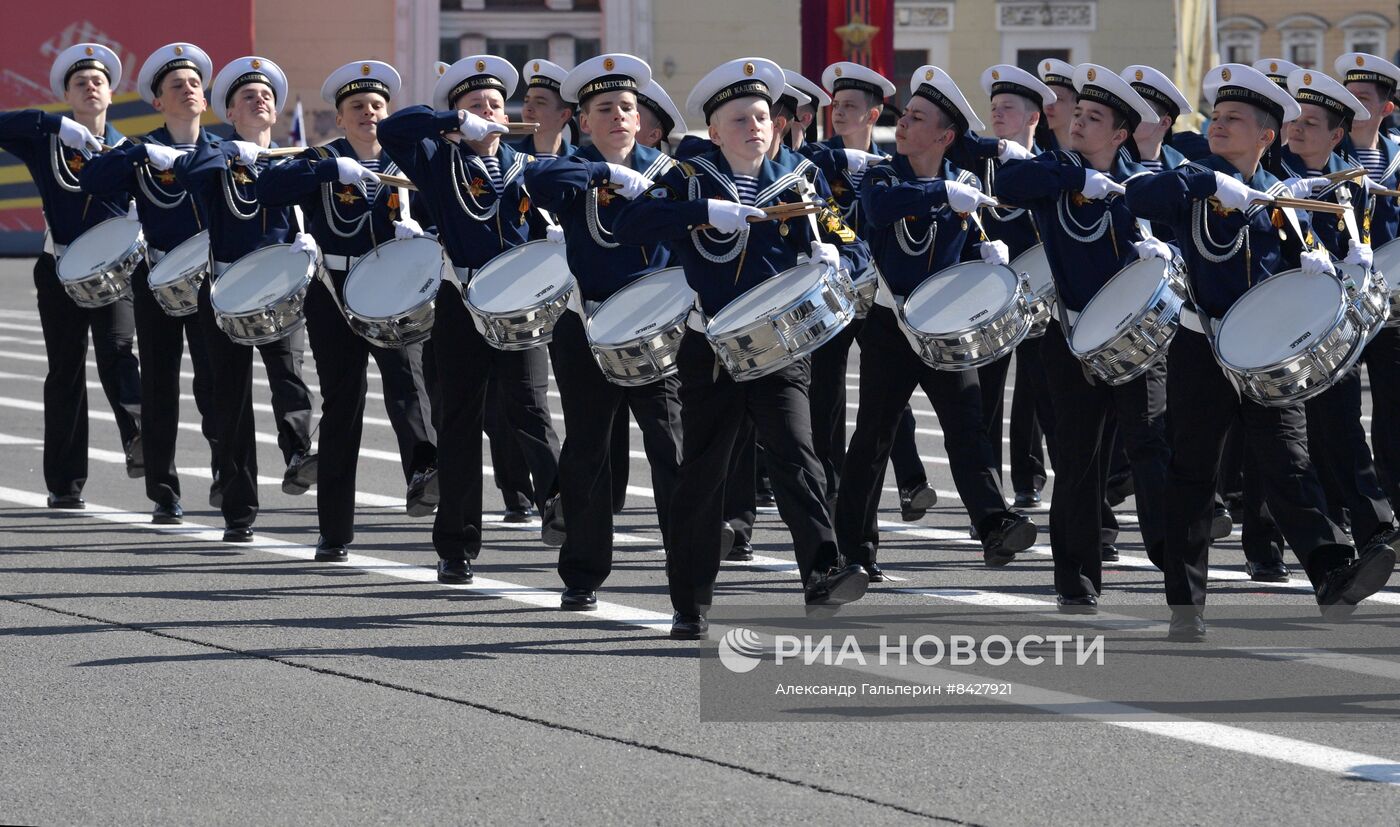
<point x="1369" y="295"/>
<point x="1145" y="338"/>
<point x="398" y="330"/>
<point x="863" y="289"/>
<point x="1387" y="263"/>
<point x="1040" y="301"/>
<point x="971" y="347"/>
<point x="528" y="327"/>
<point x="179" y="296"/>
<point x="804" y="324"/>
<point x="108" y="283"/>
<point x="271" y="322"/>
<point x="643" y="359"/>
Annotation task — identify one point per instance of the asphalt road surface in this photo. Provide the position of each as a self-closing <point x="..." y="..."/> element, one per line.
<point x="162" y="676"/>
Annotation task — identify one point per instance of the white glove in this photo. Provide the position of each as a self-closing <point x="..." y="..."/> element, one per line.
<point x="351" y="171"/>
<point x="162" y="157"/>
<point x="1012" y="151"/>
<point x="1317" y="263"/>
<point x="858" y="161"/>
<point x="304" y="243"/>
<point x="77" y="136"/>
<point x="631" y="182"/>
<point x="1153" y="248"/>
<point x="1233" y="194"/>
<point x="132" y="215"/>
<point x="1359" y="254"/>
<point x="247" y="152"/>
<point x="1303" y="187"/>
<point x="408" y="228"/>
<point x="994" y="252"/>
<point x="554" y="233"/>
<point x="729" y="216"/>
<point x="1370" y="185"/>
<point x="965" y="199"/>
<point x="826" y="254"/>
<point x="475" y="127"/>
<point x="1098" y="185"/>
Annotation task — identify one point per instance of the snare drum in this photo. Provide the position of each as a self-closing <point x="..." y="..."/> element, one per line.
<point x="636" y="333"/>
<point x="1126" y="327"/>
<point x="518" y="296"/>
<point x="389" y="292"/>
<point x="1289" y="337"/>
<point x="1386" y="261"/>
<point x="1033" y="266"/>
<point x="863" y="288"/>
<point x="966" y="316"/>
<point x="775" y="323"/>
<point x="96" y="269"/>
<point x="1369" y="295"/>
<point x="259" y="299"/>
<point x="175" y="279"/>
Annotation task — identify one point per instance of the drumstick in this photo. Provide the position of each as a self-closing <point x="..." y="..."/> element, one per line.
<point x="522" y="128"/>
<point x="1392" y="193"/>
<point x="1300" y="204"/>
<point x="1345" y="174"/>
<point x="282" y="151"/>
<point x="395" y="181"/>
<point x="779" y="212"/>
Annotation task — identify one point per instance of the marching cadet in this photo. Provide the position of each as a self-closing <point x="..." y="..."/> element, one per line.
<point x="172" y="80"/>
<point x="1227" y="248"/>
<point x="1089" y="236"/>
<point x="1336" y="437"/>
<point x="586" y="191"/>
<point x="247" y="93"/>
<point x="1059" y="113"/>
<point x="724" y="188"/>
<point x="545" y="106"/>
<point x="662" y="120"/>
<point x="55" y="148"/>
<point x="916" y="212"/>
<point x="473" y="186"/>
<point x="857" y="98"/>
<point x="1373" y="81"/>
<point x="348" y="212"/>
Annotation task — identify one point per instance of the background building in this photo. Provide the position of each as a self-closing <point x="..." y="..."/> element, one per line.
<point x="1311" y="35"/>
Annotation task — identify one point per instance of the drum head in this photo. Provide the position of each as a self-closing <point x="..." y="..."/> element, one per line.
<point x="1277" y="317"/>
<point x="101" y="247"/>
<point x="190" y="254"/>
<point x="1117" y="303"/>
<point x="520" y="278"/>
<point x="651" y="300"/>
<point x="1036" y="265"/>
<point x="260" y="279"/>
<point x="765" y="300"/>
<point x="394" y="278"/>
<point x="1387" y="260"/>
<point x="960" y="297"/>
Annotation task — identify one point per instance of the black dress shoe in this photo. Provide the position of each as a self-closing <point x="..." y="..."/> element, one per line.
<point x="1027" y="499"/>
<point x="915" y="502"/>
<point x="1356" y="581"/>
<point x="1008" y="534"/>
<point x="552" y="524"/>
<point x="301" y="473"/>
<point x="1274" y="571"/>
<point x="1187" y="627"/>
<point x="135" y="458"/>
<point x="516" y="515"/>
<point x="331" y="552"/>
<point x="422" y="495"/>
<point x="454" y="571"/>
<point x="67" y="502"/>
<point x="238" y="534"/>
<point x="873" y="572"/>
<point x="740" y="552"/>
<point x="764" y="498"/>
<point x="1108" y="553"/>
<point x="1081" y="604"/>
<point x="1220" y="523"/>
<point x="689" y="627"/>
<point x="1387" y="534"/>
<point x="579" y="600"/>
<point x="837" y="586"/>
<point x="168" y="514"/>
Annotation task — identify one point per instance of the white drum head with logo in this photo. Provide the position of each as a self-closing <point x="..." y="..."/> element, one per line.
<point x="1036" y="265"/>
<point x="960" y="297"/>
<point x="520" y="278"/>
<point x="1278" y="317"/>
<point x="1387" y="260"/>
<point x="100" y="248"/>
<point x="763" y="301"/>
<point x="644" y="304"/>
<point x="190" y="254"/>
<point x="395" y="277"/>
<point x="260" y="279"/>
<point x="1117" y="303"/>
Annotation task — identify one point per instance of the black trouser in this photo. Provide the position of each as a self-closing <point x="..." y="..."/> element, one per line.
<point x="1031" y="418"/>
<point x="1082" y="413"/>
<point x="232" y="365"/>
<point x="508" y="465"/>
<point x="65" y="326"/>
<point x="466" y="365"/>
<point x="713" y="411"/>
<point x="1337" y="446"/>
<point x="1382" y="359"/>
<point x="162" y="339"/>
<point x="341" y="359"/>
<point x="591" y="404"/>
<point x="889" y="372"/>
<point x="1206" y="404"/>
<point x="621" y="457"/>
<point x="829" y="417"/>
<point x="741" y="487"/>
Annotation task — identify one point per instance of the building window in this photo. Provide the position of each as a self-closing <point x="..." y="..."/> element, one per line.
<point x="1302" y="39"/>
<point x="1029" y="59"/>
<point x="1365" y="33"/>
<point x="517" y="52"/>
<point x="586" y="47"/>
<point x="449" y="50"/>
<point x="906" y="63"/>
<point x="1239" y="39"/>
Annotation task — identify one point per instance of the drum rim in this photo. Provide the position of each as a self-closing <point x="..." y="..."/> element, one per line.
<point x="1249" y="371"/>
<point x="312" y="265"/>
<point x="428" y="297"/>
<point x="828" y="275"/>
<point x="1137" y="317"/>
<point x="131" y="250"/>
<point x="588" y="324"/>
<point x="543" y="301"/>
<point x="1038" y="250"/>
<point x="948" y="334"/>
<point x="173" y="255"/>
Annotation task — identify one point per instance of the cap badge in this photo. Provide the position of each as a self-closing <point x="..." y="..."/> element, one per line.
<point x="1091" y="74"/>
<point x="179" y="50"/>
<point x="838" y="71"/>
<point x="1360" y="61"/>
<point x="88" y="51"/>
<point x="1138" y="75"/>
<point x="608" y="64"/>
<point x="1224" y="74"/>
<point x="537" y="67"/>
<point x="1307" y="79"/>
<point x="1047" y="65"/>
<point x="1273" y="67"/>
<point x="481" y="65"/>
<point x="256" y="64"/>
<point x="364" y="68"/>
<point x="748" y="69"/>
<point x="928" y="74"/>
<point x="996" y="75"/>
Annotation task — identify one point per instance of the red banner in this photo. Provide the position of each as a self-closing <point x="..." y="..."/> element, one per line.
<point x="861" y="31"/>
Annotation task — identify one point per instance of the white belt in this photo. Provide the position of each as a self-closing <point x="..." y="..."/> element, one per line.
<point x="1191" y="320"/>
<point x="153" y="255"/>
<point x="341" y="263"/>
<point x="1071" y="315"/>
<point x="220" y="266"/>
<point x="696" y="320"/>
<point x="51" y="248"/>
